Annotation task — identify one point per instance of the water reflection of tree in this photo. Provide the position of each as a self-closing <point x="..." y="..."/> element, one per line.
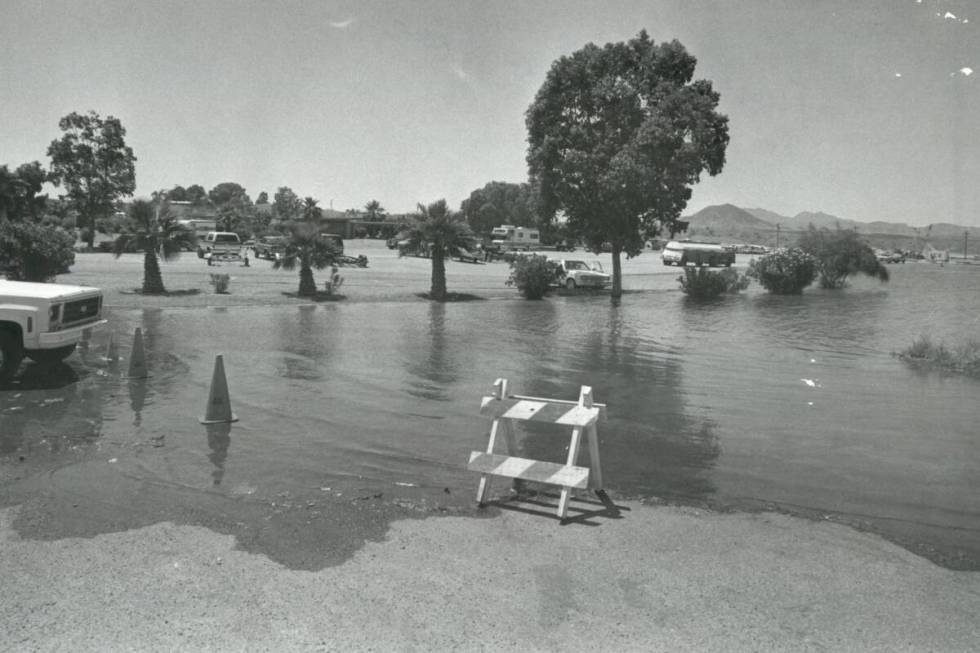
<point x="304" y="335"/>
<point x="649" y="446"/>
<point x="429" y="358"/>
<point x="837" y="320"/>
<point x="160" y="347"/>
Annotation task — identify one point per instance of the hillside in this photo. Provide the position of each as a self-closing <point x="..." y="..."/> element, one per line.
<point x="728" y="223"/>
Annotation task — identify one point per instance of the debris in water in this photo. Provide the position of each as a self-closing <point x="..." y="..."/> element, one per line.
<point x="406" y="484"/>
<point x="811" y="383"/>
<point x="113" y="460"/>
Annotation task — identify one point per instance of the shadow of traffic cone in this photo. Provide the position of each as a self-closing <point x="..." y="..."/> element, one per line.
<point x="219" y="404"/>
<point x="112" y="349"/>
<point x="137" y="359"/>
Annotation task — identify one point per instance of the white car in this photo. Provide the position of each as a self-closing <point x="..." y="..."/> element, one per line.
<point x="573" y="274"/>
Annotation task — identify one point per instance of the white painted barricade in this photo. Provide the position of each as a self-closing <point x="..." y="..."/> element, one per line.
<point x="581" y="416"/>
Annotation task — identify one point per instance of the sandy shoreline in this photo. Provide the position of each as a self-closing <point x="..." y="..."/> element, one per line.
<point x="659" y="578"/>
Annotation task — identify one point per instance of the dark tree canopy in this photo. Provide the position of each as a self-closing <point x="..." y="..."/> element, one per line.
<point x="94" y="164"/>
<point x="617" y="136"/>
<point x="841" y="253"/>
<point x="286" y="205"/>
<point x="30" y="251"/>
<point x="233" y="207"/>
<point x="20" y="192"/>
<point x="498" y="203"/>
<point x="374" y="212"/>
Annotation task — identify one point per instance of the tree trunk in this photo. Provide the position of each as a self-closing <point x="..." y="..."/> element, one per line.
<point x="617" y="273"/>
<point x="90" y="237"/>
<point x="438" y="289"/>
<point x="307" y="285"/>
<point x="152" y="277"/>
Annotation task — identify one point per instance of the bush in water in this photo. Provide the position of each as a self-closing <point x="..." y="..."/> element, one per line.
<point x="220" y="282"/>
<point x="702" y="283"/>
<point x="785" y="271"/>
<point x="964" y="358"/>
<point x="533" y="275"/>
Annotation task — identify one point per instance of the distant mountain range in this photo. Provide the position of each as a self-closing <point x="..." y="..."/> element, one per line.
<point x="732" y="224"/>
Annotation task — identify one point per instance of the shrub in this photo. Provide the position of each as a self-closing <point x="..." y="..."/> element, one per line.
<point x="964" y="358"/>
<point x="33" y="252"/>
<point x="840" y="254"/>
<point x="702" y="283"/>
<point x="220" y="282"/>
<point x="533" y="275"/>
<point x="785" y="271"/>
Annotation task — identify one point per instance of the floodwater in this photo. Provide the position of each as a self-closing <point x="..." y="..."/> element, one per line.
<point x="359" y="412"/>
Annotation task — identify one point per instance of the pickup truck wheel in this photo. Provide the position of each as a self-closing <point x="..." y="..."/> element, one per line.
<point x="570" y="284"/>
<point x="10" y="355"/>
<point x="50" y="356"/>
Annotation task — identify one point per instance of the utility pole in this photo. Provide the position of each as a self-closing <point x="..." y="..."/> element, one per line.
<point x="966" y="237"/>
<point x="777" y="236"/>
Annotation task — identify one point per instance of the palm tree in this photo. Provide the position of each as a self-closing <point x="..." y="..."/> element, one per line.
<point x="155" y="230"/>
<point x="374" y="212"/>
<point x="443" y="233"/>
<point x="308" y="249"/>
<point x="311" y="212"/>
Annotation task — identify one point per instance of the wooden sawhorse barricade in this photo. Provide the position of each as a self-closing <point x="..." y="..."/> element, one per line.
<point x="581" y="416"/>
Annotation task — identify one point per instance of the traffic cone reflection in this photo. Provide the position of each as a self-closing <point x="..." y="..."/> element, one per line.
<point x="219" y="404"/>
<point x="137" y="359"/>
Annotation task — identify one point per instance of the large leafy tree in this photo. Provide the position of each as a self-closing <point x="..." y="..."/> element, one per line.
<point x="307" y="249"/>
<point x="94" y="164"/>
<point x="233" y="207"/>
<point x="840" y="254"/>
<point x="286" y="205"/>
<point x="154" y="229"/>
<point x="617" y="136"/>
<point x="498" y="203"/>
<point x="443" y="234"/>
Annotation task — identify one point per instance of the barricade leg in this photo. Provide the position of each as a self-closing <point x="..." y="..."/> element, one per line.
<point x="566" y="491"/>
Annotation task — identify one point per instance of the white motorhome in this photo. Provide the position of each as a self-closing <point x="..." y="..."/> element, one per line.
<point x="508" y="237"/>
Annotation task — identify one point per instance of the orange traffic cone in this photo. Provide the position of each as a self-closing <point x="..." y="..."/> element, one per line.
<point x="137" y="360"/>
<point x="219" y="404"/>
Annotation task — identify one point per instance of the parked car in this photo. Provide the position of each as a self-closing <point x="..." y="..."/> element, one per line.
<point x="268" y="247"/>
<point x="472" y="254"/>
<point x="573" y="273"/>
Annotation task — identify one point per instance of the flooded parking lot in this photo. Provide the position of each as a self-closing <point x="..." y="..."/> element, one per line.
<point x="356" y="412"/>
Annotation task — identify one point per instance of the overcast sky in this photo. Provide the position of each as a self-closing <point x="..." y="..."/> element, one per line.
<point x="865" y="110"/>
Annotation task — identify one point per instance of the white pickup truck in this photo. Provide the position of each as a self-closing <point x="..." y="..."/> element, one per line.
<point x="43" y="321"/>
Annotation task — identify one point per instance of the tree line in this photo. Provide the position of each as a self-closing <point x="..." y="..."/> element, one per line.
<point x="617" y="136"/>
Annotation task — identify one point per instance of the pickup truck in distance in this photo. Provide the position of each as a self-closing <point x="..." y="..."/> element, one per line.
<point x="43" y="321"/>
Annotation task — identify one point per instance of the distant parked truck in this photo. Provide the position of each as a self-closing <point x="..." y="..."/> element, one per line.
<point x="508" y="237"/>
<point x="43" y="321"/>
<point x="219" y="246"/>
<point x="682" y="252"/>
